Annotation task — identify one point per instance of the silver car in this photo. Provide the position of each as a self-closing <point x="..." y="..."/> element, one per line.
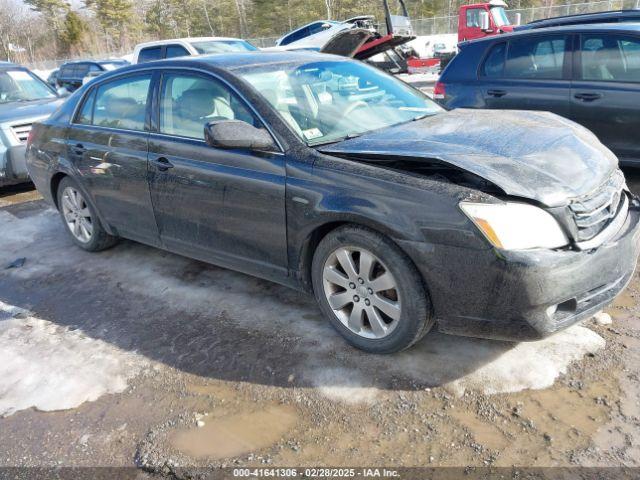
<point x="24" y="99"/>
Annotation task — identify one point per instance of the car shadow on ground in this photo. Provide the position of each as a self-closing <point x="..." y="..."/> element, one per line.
<point x="209" y="321"/>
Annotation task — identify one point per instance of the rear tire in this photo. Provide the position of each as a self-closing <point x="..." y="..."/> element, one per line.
<point x="80" y="219"/>
<point x="370" y="290"/>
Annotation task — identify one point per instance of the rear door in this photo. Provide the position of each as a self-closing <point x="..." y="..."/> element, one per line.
<point x="222" y="206"/>
<point x="528" y="73"/>
<point x="605" y="95"/>
<point x="108" y="143"/>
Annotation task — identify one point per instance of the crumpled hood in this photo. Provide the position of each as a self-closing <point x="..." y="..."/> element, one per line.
<point x="12" y="111"/>
<point x="535" y="155"/>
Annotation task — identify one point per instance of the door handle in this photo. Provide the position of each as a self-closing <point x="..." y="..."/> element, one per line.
<point x="78" y="149"/>
<point x="162" y="164"/>
<point x="496" y="93"/>
<point x="587" y="97"/>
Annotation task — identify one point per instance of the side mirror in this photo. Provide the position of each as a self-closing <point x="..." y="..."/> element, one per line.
<point x="63" y="92"/>
<point x="237" y="134"/>
<point x="485" y="26"/>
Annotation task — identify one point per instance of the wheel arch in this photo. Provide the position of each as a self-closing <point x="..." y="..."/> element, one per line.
<point x="320" y="231"/>
<point x="54" y="184"/>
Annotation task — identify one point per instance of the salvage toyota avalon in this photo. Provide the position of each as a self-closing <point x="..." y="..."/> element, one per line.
<point x="327" y="175"/>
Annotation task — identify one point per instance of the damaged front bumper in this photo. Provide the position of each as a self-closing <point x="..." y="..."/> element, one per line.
<point x="525" y="295"/>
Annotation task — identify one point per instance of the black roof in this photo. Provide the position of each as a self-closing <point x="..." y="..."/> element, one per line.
<point x="236" y="60"/>
<point x="631" y="27"/>
<point x="612" y="16"/>
<point x="75" y="62"/>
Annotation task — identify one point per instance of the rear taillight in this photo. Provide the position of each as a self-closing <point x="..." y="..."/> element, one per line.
<point x="439" y="91"/>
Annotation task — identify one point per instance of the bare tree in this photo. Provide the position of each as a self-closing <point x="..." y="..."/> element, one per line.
<point x="330" y="4"/>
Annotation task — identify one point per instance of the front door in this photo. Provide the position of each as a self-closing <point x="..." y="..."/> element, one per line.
<point x="222" y="206"/>
<point x="606" y="91"/>
<point x="108" y="144"/>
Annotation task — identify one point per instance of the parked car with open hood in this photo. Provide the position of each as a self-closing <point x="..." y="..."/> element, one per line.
<point x="24" y="99"/>
<point x="328" y="175"/>
<point x="184" y="47"/>
<point x="587" y="73"/>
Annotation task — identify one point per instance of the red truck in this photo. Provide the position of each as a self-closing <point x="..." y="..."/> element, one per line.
<point x="483" y="20"/>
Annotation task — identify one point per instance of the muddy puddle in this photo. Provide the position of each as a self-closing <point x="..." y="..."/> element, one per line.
<point x="235" y="435"/>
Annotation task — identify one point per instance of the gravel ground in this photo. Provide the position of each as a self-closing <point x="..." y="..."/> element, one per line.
<point x="137" y="357"/>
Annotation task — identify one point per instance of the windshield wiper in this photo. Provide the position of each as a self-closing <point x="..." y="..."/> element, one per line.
<point x="336" y="140"/>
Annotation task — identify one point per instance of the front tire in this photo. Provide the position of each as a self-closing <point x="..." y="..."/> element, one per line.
<point x="370" y="290"/>
<point x="80" y="219"/>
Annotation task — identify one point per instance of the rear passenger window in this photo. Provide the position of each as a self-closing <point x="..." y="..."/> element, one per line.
<point x="81" y="70"/>
<point x="149" y="54"/>
<point x="536" y="58"/>
<point x="122" y="103"/>
<point x="85" y="116"/>
<point x="610" y="58"/>
<point x="494" y="64"/>
<point x="176" y="51"/>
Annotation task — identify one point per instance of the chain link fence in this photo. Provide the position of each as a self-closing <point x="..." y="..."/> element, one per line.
<point x="449" y="24"/>
<point x="48" y="65"/>
<point x="421" y="26"/>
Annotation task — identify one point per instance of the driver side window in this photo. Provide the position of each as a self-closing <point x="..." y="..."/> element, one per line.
<point x="188" y="102"/>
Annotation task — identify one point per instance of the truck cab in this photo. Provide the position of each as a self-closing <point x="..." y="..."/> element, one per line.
<point x="483" y="20"/>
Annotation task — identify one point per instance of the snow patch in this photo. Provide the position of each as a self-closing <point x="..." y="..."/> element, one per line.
<point x="342" y="385"/>
<point x="49" y="367"/>
<point x="497" y="367"/>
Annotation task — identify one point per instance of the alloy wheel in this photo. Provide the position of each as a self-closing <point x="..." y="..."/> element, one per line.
<point x="76" y="214"/>
<point x="362" y="292"/>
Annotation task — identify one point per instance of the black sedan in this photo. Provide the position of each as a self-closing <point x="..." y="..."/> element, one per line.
<point x="587" y="73"/>
<point x="327" y="175"/>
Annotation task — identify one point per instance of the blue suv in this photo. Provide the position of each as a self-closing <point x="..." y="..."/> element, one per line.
<point x="587" y="73"/>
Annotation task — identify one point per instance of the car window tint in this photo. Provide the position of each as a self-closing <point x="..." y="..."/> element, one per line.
<point x="189" y="102"/>
<point x="494" y="64"/>
<point x="122" y="103"/>
<point x="537" y="57"/>
<point x="149" y="54"/>
<point x="473" y="17"/>
<point x="85" y="116"/>
<point x="610" y="58"/>
<point x="295" y="36"/>
<point x="82" y="70"/>
<point x="94" y="68"/>
<point x="318" y="27"/>
<point x="66" y="71"/>
<point x="176" y="51"/>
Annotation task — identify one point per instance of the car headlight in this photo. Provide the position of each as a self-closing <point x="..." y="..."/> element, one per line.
<point x="515" y="226"/>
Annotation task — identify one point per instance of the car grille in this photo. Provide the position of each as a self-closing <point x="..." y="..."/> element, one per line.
<point x="594" y="212"/>
<point x="21" y="131"/>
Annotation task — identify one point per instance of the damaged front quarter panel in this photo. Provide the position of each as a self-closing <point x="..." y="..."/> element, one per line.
<point x="532" y="155"/>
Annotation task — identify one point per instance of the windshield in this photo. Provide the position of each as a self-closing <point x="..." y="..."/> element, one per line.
<point x="223" y="46"/>
<point x="22" y="86"/>
<point x="331" y="100"/>
<point x="499" y="16"/>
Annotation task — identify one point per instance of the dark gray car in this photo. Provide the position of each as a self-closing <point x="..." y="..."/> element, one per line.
<point x="587" y="73"/>
<point x="328" y="175"/>
<point x="24" y="99"/>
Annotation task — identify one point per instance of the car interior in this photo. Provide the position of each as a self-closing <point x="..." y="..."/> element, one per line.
<point x="607" y="58"/>
<point x="189" y="103"/>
